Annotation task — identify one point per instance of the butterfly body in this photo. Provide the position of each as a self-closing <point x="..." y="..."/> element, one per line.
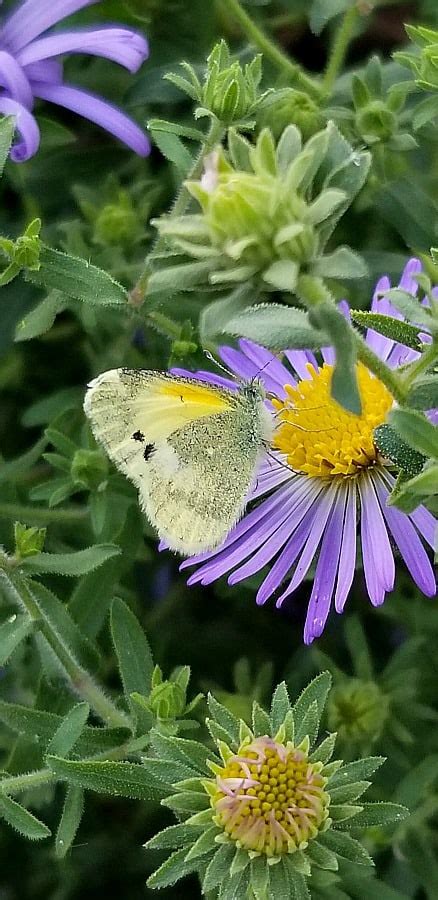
<point x="191" y="449"/>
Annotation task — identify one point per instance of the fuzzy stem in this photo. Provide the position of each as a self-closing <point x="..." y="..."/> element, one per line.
<point x="425" y="362"/>
<point x="386" y="375"/>
<point x="339" y="49"/>
<point x="291" y="70"/>
<point x="214" y="137"/>
<point x="81" y="681"/>
<point x="36" y="515"/>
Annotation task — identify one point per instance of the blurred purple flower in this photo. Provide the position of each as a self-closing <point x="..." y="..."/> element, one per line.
<point x="30" y="69"/>
<point x="323" y="481"/>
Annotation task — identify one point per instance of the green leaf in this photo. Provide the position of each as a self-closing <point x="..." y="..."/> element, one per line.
<point x="353" y="771"/>
<point x="259" y="877"/>
<point x="215" y="316"/>
<point x="174" y="150"/>
<point x="324" y="751"/>
<point x="71" y="564"/>
<point x="15" y="468"/>
<point x="395" y="329"/>
<point x="40" y="319"/>
<point x="316" y="691"/>
<point x="70" y="820"/>
<point x="174" y="836"/>
<point x="409" y="209"/>
<point x="407" y="491"/>
<point x="204" y="843"/>
<point x="40" y="726"/>
<point x="120" y="779"/>
<point x="346" y="846"/>
<point x="424" y="393"/>
<point x="416" y="430"/>
<point x="7" y="129"/>
<point x="157" y="125"/>
<point x="377" y="814"/>
<point x="184" y="277"/>
<point x="77" y="278"/>
<point x="309" y="724"/>
<point x="22" y="820"/>
<point x="224" y="718"/>
<point x="219" y="867"/>
<point x="394" y="448"/>
<point x="276" y="327"/>
<point x="344" y="382"/>
<point x="324" y="10"/>
<point x="172" y="870"/>
<point x="342" y="263"/>
<point x="425" y="112"/>
<point x="12" y="633"/>
<point x="133" y="654"/>
<point x="280" y="707"/>
<point x="191" y="754"/>
<point x="282" y="275"/>
<point x="409" y="306"/>
<point x="261" y="723"/>
<point x="322" y="856"/>
<point x="297" y="881"/>
<point x="348" y="792"/>
<point x="279" y="881"/>
<point x="70" y="729"/>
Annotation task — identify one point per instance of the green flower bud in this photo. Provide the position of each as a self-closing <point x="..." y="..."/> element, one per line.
<point x="167" y="700"/>
<point x="89" y="469"/>
<point x="28" y="540"/>
<point x="375" y="122"/>
<point x="290" y="107"/>
<point x="358" y="711"/>
<point x="116" y="223"/>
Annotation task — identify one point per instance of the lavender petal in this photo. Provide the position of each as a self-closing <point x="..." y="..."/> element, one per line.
<point x="121" y="45"/>
<point x="378" y="561"/>
<point x="347" y="557"/>
<point x="14" y="80"/>
<point x="46" y="70"/>
<point x="268" y="365"/>
<point x="407" y="282"/>
<point x="25" y="125"/>
<point x="299" y="361"/>
<point x="96" y="110"/>
<point x="326" y="571"/>
<point x="33" y="17"/>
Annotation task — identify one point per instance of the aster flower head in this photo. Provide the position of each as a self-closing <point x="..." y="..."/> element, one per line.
<point x="30" y="69"/>
<point x="323" y="481"/>
<point x="267" y="808"/>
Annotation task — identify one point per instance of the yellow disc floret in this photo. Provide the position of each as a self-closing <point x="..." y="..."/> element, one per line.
<point x="269" y="798"/>
<point x="320" y="437"/>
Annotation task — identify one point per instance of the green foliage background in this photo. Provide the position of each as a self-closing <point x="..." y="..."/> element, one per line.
<point x="95" y="201"/>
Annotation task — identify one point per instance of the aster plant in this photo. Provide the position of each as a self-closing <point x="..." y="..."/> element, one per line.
<point x="267" y="811"/>
<point x="322" y="480"/>
<point x="31" y="70"/>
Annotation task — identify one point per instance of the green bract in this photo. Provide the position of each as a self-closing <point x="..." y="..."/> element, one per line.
<point x="267" y="213"/>
<point x="266" y="813"/>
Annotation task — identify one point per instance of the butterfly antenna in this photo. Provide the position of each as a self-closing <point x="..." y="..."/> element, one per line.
<point x="218" y="364"/>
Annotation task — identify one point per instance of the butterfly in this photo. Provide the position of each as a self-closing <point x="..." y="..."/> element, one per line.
<point x="192" y="449"/>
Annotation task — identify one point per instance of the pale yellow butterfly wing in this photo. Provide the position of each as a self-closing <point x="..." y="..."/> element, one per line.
<point x="191" y="449"/>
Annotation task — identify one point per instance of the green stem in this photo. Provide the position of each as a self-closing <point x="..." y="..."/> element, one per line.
<point x="214" y="137"/>
<point x="291" y="70"/>
<point x="389" y="378"/>
<point x="425" y="362"/>
<point x="81" y="681"/>
<point x="339" y="48"/>
<point x="37" y="515"/>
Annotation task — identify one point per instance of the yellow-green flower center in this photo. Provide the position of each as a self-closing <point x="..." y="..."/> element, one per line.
<point x="320" y="437"/>
<point x="269" y="798"/>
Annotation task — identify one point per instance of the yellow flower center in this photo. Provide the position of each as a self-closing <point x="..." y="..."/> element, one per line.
<point x="320" y="437"/>
<point x="270" y="799"/>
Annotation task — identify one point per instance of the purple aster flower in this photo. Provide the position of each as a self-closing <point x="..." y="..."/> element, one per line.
<point x="30" y="69"/>
<point x="323" y="485"/>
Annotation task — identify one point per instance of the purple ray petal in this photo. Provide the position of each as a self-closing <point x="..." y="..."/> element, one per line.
<point x="424" y="521"/>
<point x="408" y="543"/>
<point x="25" y="125"/>
<point x="381" y="345"/>
<point x="261" y="529"/>
<point x="121" y="45"/>
<point x="246" y="369"/>
<point x="407" y="282"/>
<point x="251" y="519"/>
<point x="208" y="377"/>
<point x="326" y="571"/>
<point x="378" y="561"/>
<point x="347" y="557"/>
<point x="286" y="559"/>
<point x="288" y="521"/>
<point x="33" y="17"/>
<point x="269" y="476"/>
<point x="299" y="360"/>
<point x="325" y="505"/>
<point x="14" y="80"/>
<point x="329" y="356"/>
<point x="96" y="110"/>
<point x="46" y="70"/>
<point x="268" y="364"/>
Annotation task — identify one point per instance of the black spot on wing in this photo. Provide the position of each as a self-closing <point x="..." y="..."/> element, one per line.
<point x="138" y="436"/>
<point x="148" y="451"/>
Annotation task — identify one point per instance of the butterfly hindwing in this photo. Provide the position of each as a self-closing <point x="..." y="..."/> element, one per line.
<point x="190" y="448"/>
